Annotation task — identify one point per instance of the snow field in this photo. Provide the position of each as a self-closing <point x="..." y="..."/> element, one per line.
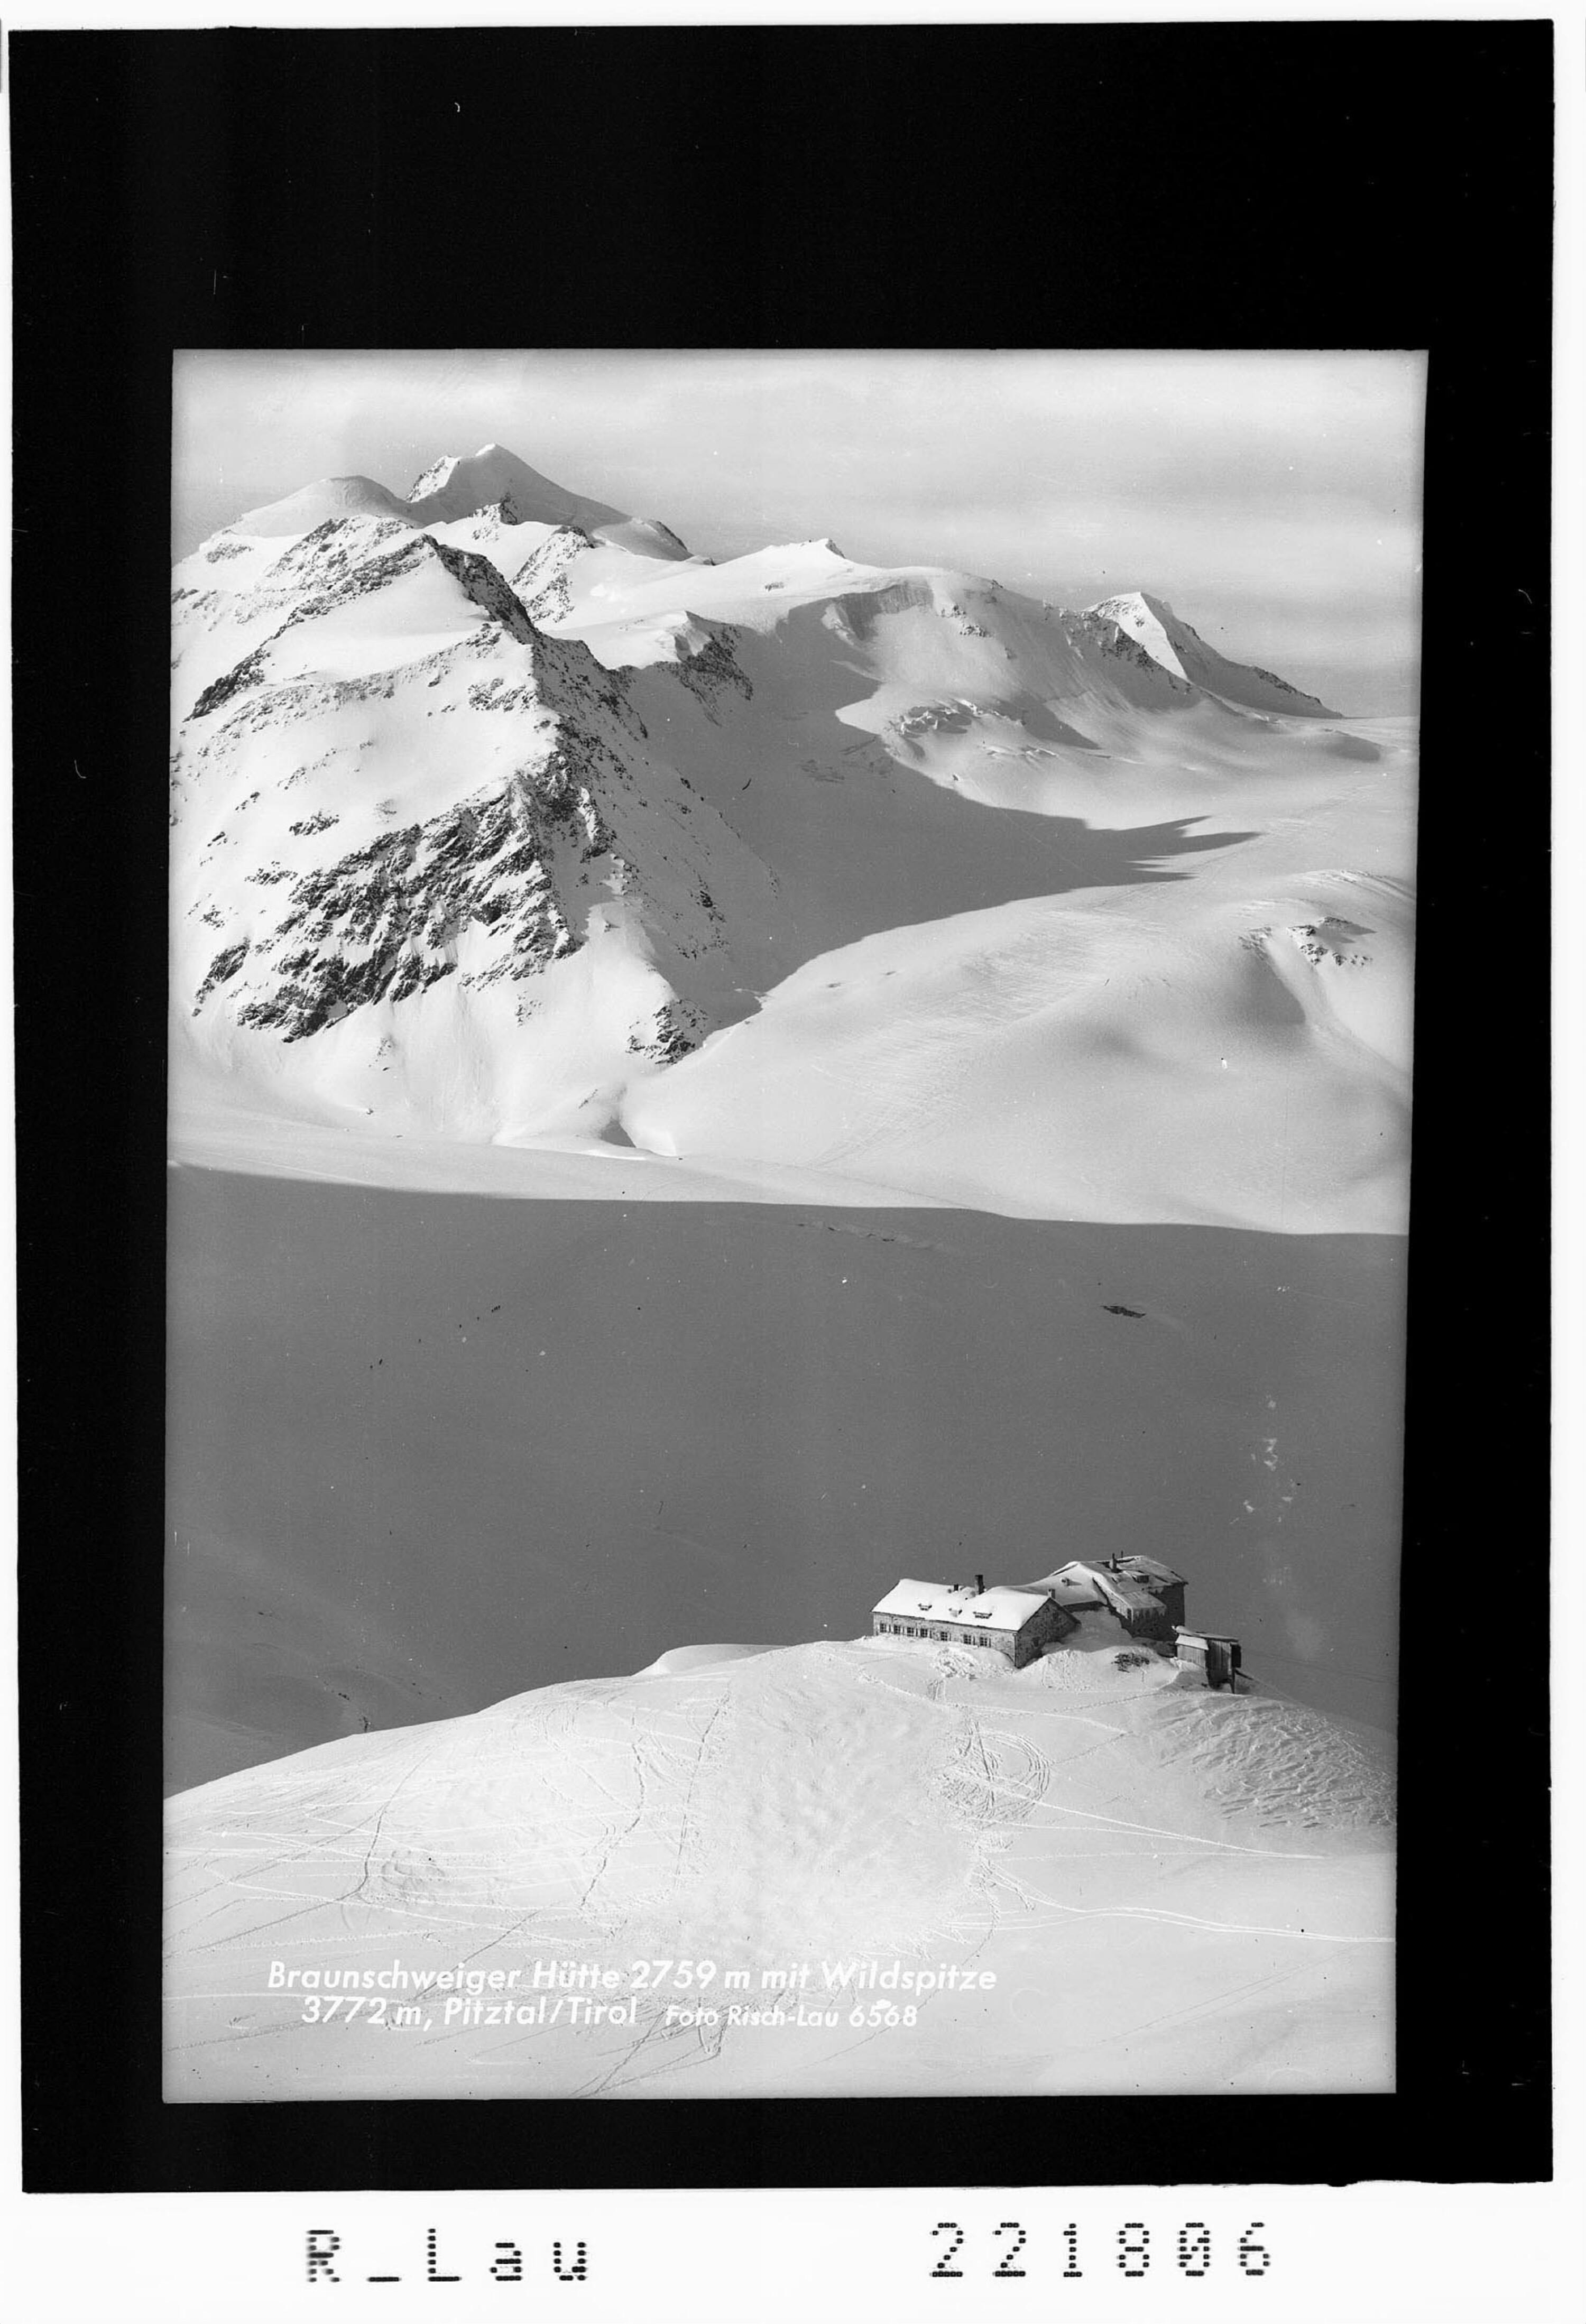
<point x="1173" y="1890"/>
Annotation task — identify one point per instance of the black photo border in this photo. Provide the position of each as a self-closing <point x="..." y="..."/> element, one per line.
<point x="1278" y="185"/>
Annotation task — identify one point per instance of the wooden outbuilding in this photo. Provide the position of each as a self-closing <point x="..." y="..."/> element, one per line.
<point x="1215" y="1658"/>
<point x="1017" y="1623"/>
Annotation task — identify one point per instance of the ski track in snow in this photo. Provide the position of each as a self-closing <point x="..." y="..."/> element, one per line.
<point x="822" y="1803"/>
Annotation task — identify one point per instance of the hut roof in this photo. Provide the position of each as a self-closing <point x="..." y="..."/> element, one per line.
<point x="944" y="1602"/>
<point x="1150" y="1568"/>
<point x="1085" y="1580"/>
<point x="1129" y="1598"/>
<point x="1071" y="1585"/>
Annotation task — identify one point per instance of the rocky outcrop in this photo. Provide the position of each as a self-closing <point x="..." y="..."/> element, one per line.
<point x="249" y="671"/>
<point x="854" y="615"/>
<point x="541" y="580"/>
<point x="332" y="550"/>
<point x="713" y="670"/>
<point x="1102" y="634"/>
<point x="383" y="922"/>
<point x="674" y="1031"/>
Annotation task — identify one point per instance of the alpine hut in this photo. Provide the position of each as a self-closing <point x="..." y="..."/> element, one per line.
<point x="1145" y="1596"/>
<point x="1017" y="1623"/>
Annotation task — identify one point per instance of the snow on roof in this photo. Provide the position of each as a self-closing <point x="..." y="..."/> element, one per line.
<point x="1153" y="1566"/>
<point x="946" y="1602"/>
<point x="1070" y="1585"/>
<point x="1121" y="1592"/>
<point x="1088" y="1581"/>
<point x="1102" y="1574"/>
<point x="1116" y="1586"/>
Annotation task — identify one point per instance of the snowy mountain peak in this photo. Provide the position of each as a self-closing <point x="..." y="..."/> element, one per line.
<point x="433" y="478"/>
<point x="649" y="537"/>
<point x="1131" y="605"/>
<point x="459" y="487"/>
<point x="440" y="472"/>
<point x="491" y="482"/>
<point x="1149" y="622"/>
<point x="329" y="496"/>
<point x="1150" y="625"/>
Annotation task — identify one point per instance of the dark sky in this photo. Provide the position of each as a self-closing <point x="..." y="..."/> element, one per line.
<point x="1273" y="499"/>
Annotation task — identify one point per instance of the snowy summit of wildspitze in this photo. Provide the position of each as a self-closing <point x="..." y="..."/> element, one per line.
<point x="450" y="488"/>
<point x="505" y="828"/>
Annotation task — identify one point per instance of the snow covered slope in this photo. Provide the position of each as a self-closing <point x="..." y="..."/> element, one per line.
<point x="1231" y="1048"/>
<point x="937" y="1877"/>
<point x="491" y="805"/>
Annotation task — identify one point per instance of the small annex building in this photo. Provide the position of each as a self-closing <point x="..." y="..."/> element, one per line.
<point x="1216" y="1658"/>
<point x="1017" y="1623"/>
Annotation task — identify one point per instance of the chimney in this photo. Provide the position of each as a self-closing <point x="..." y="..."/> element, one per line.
<point x="979" y="1585"/>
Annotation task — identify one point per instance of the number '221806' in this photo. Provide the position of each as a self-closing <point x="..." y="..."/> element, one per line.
<point x="1131" y="2254"/>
